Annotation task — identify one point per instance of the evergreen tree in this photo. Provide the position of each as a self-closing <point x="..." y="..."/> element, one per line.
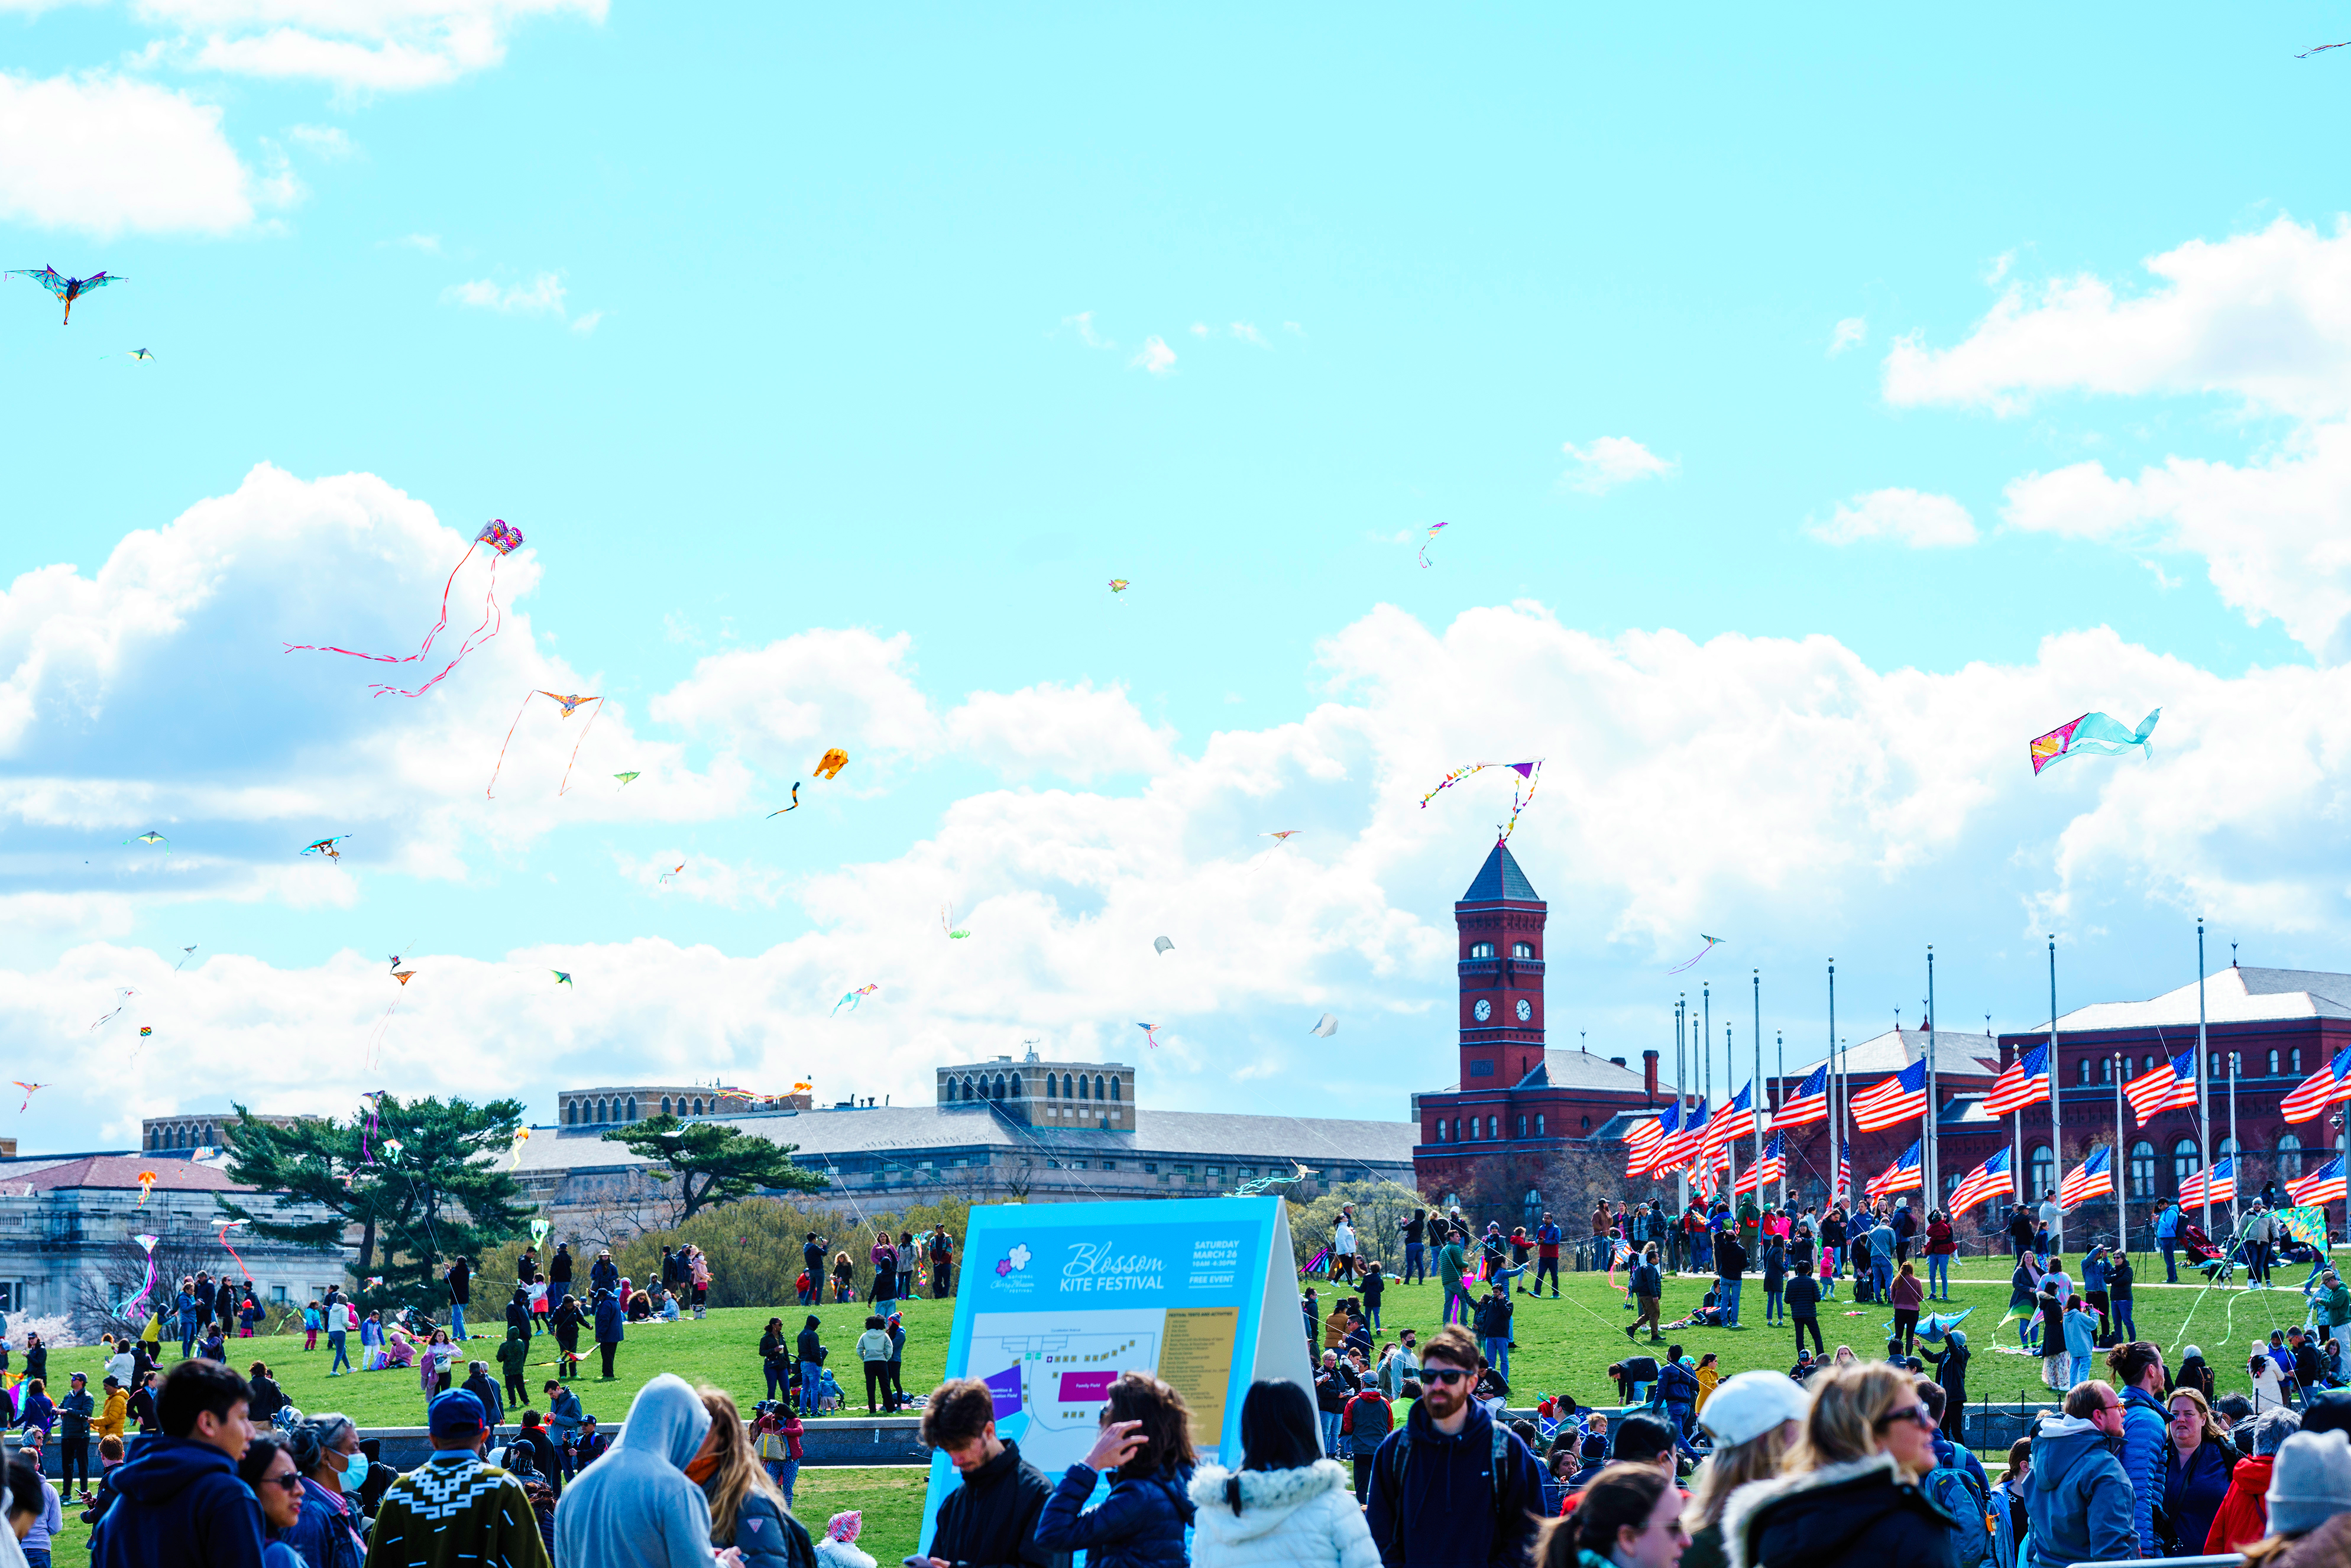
<point x="713" y="1165"/>
<point x="440" y="1195"/>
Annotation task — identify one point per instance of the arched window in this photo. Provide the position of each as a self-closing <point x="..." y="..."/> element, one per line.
<point x="571" y="1112"/>
<point x="665" y="1104"/>
<point x="1114" y="1090"/>
<point x="2228" y="1150"/>
<point x="600" y="1117"/>
<point x="2273" y="1064"/>
<point x="1098" y="1086"/>
<point x="1069" y="1087"/>
<point x="1539" y="1125"/>
<point x="2041" y="1172"/>
<point x="2151" y="1065"/>
<point x="2106" y="1069"/>
<point x="2295" y="1063"/>
<point x="2185" y="1161"/>
<point x="697" y="1104"/>
<point x="2084" y="1074"/>
<point x="2142" y="1169"/>
<point x="2289" y="1158"/>
<point x="1522" y="949"/>
<point x="211" y="1137"/>
<point x="1000" y="1086"/>
<point x="632" y="1107"/>
<point x="1085" y="1088"/>
<point x="1522" y="1126"/>
<point x="1481" y="949"/>
<point x="1587" y="1123"/>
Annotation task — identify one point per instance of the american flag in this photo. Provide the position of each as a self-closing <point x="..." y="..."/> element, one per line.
<point x="1680" y="1146"/>
<point x="2318" y="1091"/>
<point x="2225" y="1185"/>
<point x="2323" y="1185"/>
<point x="2026" y="1083"/>
<point x="1704" y="1182"/>
<point x="2094" y="1178"/>
<point x="1642" y="1141"/>
<point x="2173" y="1083"/>
<point x="1899" y="1099"/>
<point x="1903" y="1176"/>
<point x="1845" y="1175"/>
<point x="1773" y="1165"/>
<point x="1737" y="1122"/>
<point x="1809" y="1103"/>
<point x="1989" y="1180"/>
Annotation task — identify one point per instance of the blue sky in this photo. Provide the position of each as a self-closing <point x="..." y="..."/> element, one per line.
<point x="1811" y="427"/>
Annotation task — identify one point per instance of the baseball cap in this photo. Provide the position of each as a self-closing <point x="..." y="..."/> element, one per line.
<point x="1746" y="1406"/>
<point x="455" y="1412"/>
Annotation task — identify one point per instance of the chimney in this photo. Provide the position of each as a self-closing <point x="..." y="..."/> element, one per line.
<point x="1650" y="1074"/>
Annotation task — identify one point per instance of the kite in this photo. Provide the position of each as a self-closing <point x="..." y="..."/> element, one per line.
<point x="561" y="979"/>
<point x="394" y="1147"/>
<point x="1161" y="944"/>
<point x="829" y="764"/>
<point x="371" y="1130"/>
<point x="853" y="997"/>
<point x="2320" y="50"/>
<point x="1711" y="943"/>
<point x="1423" y="547"/>
<point x="947" y="925"/>
<point x="149" y="1243"/>
<point x="503" y="541"/>
<point x="1532" y="772"/>
<point x="133" y="354"/>
<point x="225" y="1227"/>
<point x="538" y="1228"/>
<point x="1283" y="837"/>
<point x="1150" y="1034"/>
<point x="569" y="705"/>
<point x="1266" y="1184"/>
<point x="327" y="847"/>
<point x="403" y="976"/>
<point x="122" y="995"/>
<point x="793" y="807"/>
<point x="1328" y="1026"/>
<point x="66" y="288"/>
<point x="372" y="1282"/>
<point x="149" y="837"/>
<point x="144" y="1031"/>
<point x="147" y="1180"/>
<point x="2092" y="732"/>
<point x="672" y="871"/>
<point x="30" y="1090"/>
<point x="184" y="952"/>
<point x="627" y="779"/>
<point x="1118" y="585"/>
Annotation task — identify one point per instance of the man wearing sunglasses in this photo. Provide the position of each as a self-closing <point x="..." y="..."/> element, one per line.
<point x="1452" y="1486"/>
<point x="2077" y="1495"/>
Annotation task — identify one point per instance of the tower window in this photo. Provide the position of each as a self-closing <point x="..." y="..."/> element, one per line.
<point x="2084" y="1065"/>
<point x="2273" y="1064"/>
<point x="2296" y="1062"/>
<point x="1114" y="1090"/>
<point x="1587" y="1123"/>
<point x="1539" y="1125"/>
<point x="1481" y="949"/>
<point x="665" y="1104"/>
<point x="1522" y="949"/>
<point x="1522" y="1126"/>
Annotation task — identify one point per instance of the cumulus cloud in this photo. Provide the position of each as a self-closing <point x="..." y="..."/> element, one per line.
<point x="107" y="154"/>
<point x="1076" y="732"/>
<point x="1912" y="518"/>
<point x="1609" y="461"/>
<point x="1850" y="333"/>
<point x="356" y="45"/>
<point x="327" y="141"/>
<point x="542" y="296"/>
<point x="1155" y="356"/>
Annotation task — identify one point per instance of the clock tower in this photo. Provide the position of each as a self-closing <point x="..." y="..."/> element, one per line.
<point x="1501" y="925"/>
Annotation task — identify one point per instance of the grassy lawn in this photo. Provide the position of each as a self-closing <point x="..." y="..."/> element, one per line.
<point x="1565" y="1346"/>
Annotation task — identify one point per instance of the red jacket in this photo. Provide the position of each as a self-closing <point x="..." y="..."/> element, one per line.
<point x="1938" y="1239"/>
<point x="2244" y="1516"/>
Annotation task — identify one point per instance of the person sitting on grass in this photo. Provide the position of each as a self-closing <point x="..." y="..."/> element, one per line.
<point x="1708" y="1314"/>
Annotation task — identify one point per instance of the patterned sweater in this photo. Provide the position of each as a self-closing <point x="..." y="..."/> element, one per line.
<point x="454" y="1511"/>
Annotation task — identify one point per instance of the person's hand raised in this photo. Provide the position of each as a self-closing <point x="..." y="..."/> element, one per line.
<point x="1116" y="1443"/>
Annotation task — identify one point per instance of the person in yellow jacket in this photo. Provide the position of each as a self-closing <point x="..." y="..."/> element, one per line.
<point x="115" y="1414"/>
<point x="1709" y="1374"/>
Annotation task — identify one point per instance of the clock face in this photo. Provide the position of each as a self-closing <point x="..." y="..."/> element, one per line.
<point x="1483" y="1010"/>
<point x="1526" y="1010"/>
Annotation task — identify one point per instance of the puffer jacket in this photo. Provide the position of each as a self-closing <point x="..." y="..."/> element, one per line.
<point x="1863" y="1514"/>
<point x="1306" y="1515"/>
<point x="2146" y="1436"/>
<point x="2078" y="1495"/>
<point x="1139" y="1525"/>
<point x="2244" y="1516"/>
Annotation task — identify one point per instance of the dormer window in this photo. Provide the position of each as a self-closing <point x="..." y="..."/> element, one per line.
<point x="1481" y="949"/>
<point x="1522" y="949"/>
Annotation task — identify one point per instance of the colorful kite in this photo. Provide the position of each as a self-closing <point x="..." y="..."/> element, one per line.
<point x="66" y="288"/>
<point x="147" y="1180"/>
<point x="129" y="1309"/>
<point x="122" y="995"/>
<point x="1327" y="1027"/>
<point x="144" y="1031"/>
<point x="185" y="953"/>
<point x="2092" y="732"/>
<point x="793" y="807"/>
<point x="947" y="925"/>
<point x="403" y="976"/>
<point x="1423" y="547"/>
<point x="853" y="997"/>
<point x="1531" y="772"/>
<point x="569" y="705"/>
<point x="327" y="847"/>
<point x="1711" y="943"/>
<point x="396" y="1148"/>
<point x="503" y="541"/>
<point x="1118" y="585"/>
<point x="626" y="779"/>
<point x="133" y="354"/>
<point x="829" y="764"/>
<point x="1161" y="944"/>
<point x="1283" y="837"/>
<point x="371" y="1129"/>
<point x="149" y="837"/>
<point x="1150" y="1034"/>
<point x="672" y="871"/>
<point x="538" y="1229"/>
<point x="225" y="1225"/>
<point x="32" y="1089"/>
<point x="562" y="978"/>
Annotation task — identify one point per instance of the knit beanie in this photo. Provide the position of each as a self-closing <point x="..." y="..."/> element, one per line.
<point x="2311" y="1482"/>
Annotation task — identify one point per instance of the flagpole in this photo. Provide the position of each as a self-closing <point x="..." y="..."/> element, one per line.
<point x="1837" y="1106"/>
<point x="2122" y="1171"/>
<point x="1681" y="1175"/>
<point x="1762" y="1091"/>
<point x="2234" y="1200"/>
<point x="1731" y="1146"/>
<point x="2056" y="1134"/>
<point x="2203" y="1084"/>
<point x="1780" y="1095"/>
<point x="1934" y="1189"/>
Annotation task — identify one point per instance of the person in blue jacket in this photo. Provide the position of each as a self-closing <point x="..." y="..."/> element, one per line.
<point x="2077" y="1495"/>
<point x="2138" y="1372"/>
<point x="2166" y="1237"/>
<point x="180" y="1501"/>
<point x="1677" y="1391"/>
<point x="1145" y="1447"/>
<point x="609" y="1330"/>
<point x="1451" y="1486"/>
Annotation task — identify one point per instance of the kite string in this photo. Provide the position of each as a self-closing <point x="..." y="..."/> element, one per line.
<point x="583" y="741"/>
<point x="400" y="658"/>
<point x="493" y="784"/>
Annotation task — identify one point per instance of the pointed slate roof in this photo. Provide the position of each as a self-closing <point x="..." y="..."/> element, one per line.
<point x="1501" y="878"/>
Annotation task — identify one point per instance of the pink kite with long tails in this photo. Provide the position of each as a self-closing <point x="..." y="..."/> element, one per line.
<point x="225" y="1227"/>
<point x="1531" y="772"/>
<point x="148" y="1287"/>
<point x="502" y="540"/>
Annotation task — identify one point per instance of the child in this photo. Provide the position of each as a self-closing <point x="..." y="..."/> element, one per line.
<point x="1827" y="1269"/>
<point x="313" y="1319"/>
<point x="803" y="1287"/>
<point x="828" y="1391"/>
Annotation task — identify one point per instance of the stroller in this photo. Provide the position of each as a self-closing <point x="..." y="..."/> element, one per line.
<point x="2215" y="1265"/>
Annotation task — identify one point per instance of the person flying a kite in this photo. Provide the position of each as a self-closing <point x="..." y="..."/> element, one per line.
<point x="66" y="288"/>
<point x="502" y="540"/>
<point x="2093" y="733"/>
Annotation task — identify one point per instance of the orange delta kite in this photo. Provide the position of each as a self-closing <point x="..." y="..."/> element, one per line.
<point x="569" y="705"/>
<point x="829" y="764"/>
<point x="147" y="1180"/>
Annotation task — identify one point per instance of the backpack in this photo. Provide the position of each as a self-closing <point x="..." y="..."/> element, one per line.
<point x="1953" y="1490"/>
<point x="1400" y="1445"/>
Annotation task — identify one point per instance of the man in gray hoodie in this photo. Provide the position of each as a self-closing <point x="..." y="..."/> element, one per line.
<point x="636" y="1505"/>
<point x="2078" y="1494"/>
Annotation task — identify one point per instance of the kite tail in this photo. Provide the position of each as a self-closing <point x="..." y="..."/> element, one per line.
<point x="240" y="1262"/>
<point x="583" y="741"/>
<point x="145" y="1289"/>
<point x="492" y="617"/>
<point x="493" y="784"/>
<point x="438" y="626"/>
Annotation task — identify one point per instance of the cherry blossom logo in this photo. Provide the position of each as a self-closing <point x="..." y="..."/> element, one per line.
<point x="1015" y="1259"/>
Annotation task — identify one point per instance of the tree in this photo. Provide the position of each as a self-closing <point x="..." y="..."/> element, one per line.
<point x="439" y="1195"/>
<point x="727" y="1162"/>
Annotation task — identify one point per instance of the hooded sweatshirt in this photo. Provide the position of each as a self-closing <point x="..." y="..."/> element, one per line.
<point x="635" y="1504"/>
<point x="1434" y="1497"/>
<point x="1307" y="1515"/>
<point x="180" y="1502"/>
<point x="2078" y="1495"/>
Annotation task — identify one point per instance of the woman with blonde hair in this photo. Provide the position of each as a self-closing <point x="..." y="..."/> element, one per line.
<point x="2198" y="1460"/>
<point x="747" y="1511"/>
<point x="1848" y="1493"/>
<point x="1754" y="1420"/>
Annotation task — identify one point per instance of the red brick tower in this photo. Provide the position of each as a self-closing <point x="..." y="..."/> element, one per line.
<point x="1500" y="923"/>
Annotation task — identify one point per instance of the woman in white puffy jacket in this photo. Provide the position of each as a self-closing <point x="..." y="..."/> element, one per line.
<point x="1286" y="1503"/>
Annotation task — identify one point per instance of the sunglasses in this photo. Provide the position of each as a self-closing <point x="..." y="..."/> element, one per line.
<point x="1443" y="1378"/>
<point x="291" y="1480"/>
<point x="1913" y="1412"/>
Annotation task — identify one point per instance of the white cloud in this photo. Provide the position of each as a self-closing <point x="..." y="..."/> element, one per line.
<point x="542" y="296"/>
<point x="587" y="323"/>
<point x="357" y="45"/>
<point x="784" y="705"/>
<point x="1851" y="332"/>
<point x="1912" y="518"/>
<point x="1077" y="732"/>
<point x="1198" y="328"/>
<point x="330" y="142"/>
<point x="1156" y="357"/>
<point x="107" y="154"/>
<point x="429" y="244"/>
<point x="1248" y="334"/>
<point x="1083" y="323"/>
<point x="1609" y="461"/>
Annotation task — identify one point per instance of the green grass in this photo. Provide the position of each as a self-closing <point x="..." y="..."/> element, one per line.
<point x="1565" y="1346"/>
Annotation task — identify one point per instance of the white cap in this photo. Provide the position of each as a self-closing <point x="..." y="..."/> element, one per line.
<point x="1744" y="1407"/>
